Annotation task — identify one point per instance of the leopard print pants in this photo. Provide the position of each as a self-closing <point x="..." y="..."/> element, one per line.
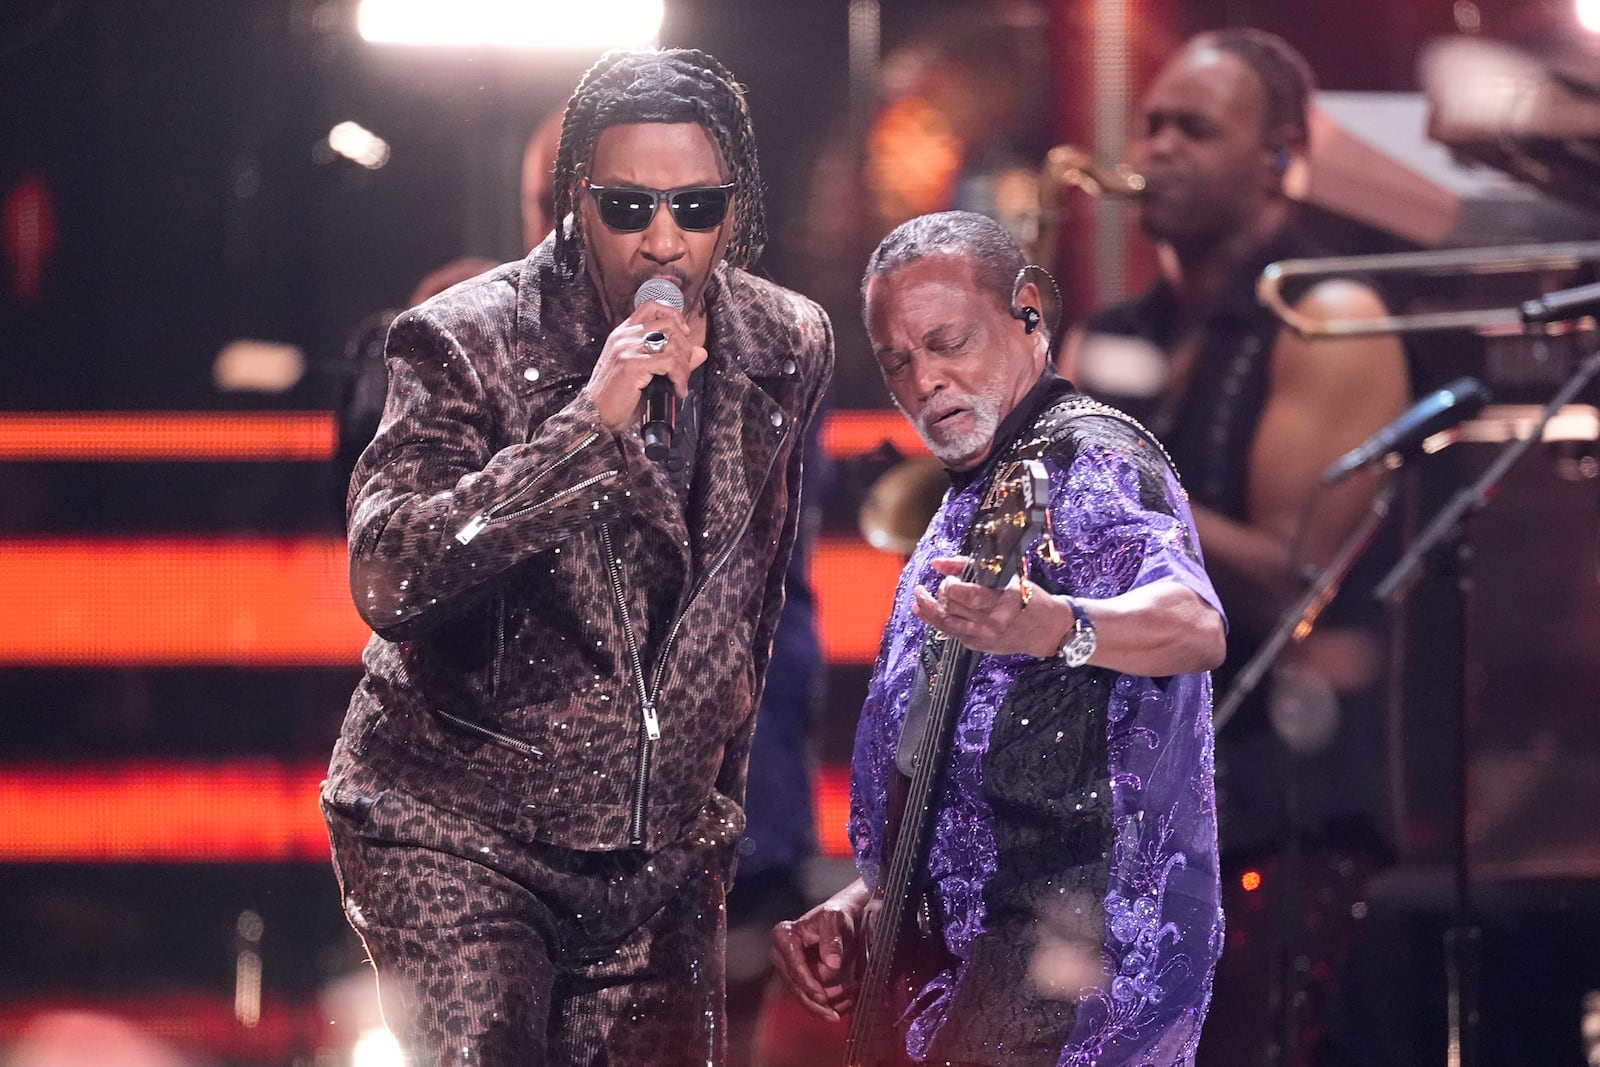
<point x="498" y="952"/>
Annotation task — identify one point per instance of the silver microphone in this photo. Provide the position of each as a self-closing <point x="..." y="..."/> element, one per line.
<point x="660" y="398"/>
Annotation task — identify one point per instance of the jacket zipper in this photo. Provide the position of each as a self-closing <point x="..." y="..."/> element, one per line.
<point x="475" y="525"/>
<point x="650" y="724"/>
<point x="549" y="501"/>
<point x="493" y="735"/>
<point x="499" y="644"/>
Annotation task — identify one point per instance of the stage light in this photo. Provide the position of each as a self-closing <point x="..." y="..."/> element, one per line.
<point x="1250" y="881"/>
<point x="359" y="145"/>
<point x="247" y="365"/>
<point x="377" y="1048"/>
<point x="532" y="24"/>
<point x="247" y="969"/>
<point x="1588" y="14"/>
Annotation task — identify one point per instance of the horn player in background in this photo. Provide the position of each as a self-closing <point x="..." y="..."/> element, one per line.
<point x="1252" y="415"/>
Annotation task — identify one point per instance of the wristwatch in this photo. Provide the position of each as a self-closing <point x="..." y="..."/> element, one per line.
<point x="1081" y="640"/>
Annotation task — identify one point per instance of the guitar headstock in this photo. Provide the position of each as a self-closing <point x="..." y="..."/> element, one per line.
<point x="1013" y="514"/>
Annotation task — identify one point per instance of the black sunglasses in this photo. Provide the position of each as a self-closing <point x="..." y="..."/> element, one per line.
<point x="626" y="209"/>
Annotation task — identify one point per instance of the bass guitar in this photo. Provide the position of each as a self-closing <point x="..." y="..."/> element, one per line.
<point x="1012" y="515"/>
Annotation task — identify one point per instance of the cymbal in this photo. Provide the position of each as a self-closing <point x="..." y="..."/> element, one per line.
<point x="900" y="503"/>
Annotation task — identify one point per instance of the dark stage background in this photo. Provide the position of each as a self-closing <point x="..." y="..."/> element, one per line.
<point x="178" y="648"/>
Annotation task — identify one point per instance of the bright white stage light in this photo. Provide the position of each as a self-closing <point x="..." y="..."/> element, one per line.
<point x="1589" y="14"/>
<point x="540" y="24"/>
<point x="377" y="1048"/>
<point x="358" y="144"/>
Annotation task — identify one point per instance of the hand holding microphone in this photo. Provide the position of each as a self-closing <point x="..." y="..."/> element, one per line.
<point x="645" y="360"/>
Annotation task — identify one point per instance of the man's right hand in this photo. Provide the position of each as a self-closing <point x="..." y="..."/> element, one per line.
<point x="625" y="365"/>
<point x="816" y="953"/>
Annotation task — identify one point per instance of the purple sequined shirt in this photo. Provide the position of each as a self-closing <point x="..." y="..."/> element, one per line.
<point x="1074" y="850"/>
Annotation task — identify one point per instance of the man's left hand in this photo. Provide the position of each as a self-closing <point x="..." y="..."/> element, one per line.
<point x="1017" y="618"/>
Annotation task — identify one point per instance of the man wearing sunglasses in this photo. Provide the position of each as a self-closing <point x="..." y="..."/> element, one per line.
<point x="538" y="791"/>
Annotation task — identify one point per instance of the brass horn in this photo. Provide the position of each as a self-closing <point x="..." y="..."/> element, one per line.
<point x="900" y="503"/>
<point x="1067" y="164"/>
<point x="1506" y="259"/>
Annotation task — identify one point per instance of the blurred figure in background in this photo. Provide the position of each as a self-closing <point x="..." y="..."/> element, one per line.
<point x="1253" y="414"/>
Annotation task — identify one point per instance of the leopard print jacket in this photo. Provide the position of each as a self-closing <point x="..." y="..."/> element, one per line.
<point x="563" y="651"/>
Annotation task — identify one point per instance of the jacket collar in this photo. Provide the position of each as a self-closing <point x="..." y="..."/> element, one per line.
<point x="561" y="322"/>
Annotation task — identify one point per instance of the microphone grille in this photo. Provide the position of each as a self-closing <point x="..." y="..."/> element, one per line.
<point x="660" y="290"/>
<point x="1468" y="392"/>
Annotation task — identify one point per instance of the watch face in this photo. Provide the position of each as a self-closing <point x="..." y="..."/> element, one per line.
<point x="1080" y="646"/>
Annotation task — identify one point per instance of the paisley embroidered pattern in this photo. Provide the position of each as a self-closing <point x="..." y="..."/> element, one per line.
<point x="1078" y="810"/>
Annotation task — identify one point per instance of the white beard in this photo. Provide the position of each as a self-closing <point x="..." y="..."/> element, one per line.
<point x="950" y="447"/>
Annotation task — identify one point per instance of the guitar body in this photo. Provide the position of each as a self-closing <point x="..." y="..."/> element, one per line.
<point x="904" y="944"/>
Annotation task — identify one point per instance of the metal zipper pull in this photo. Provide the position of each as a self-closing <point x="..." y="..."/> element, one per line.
<point x="473" y="527"/>
<point x="476" y="524"/>
<point x="652" y="725"/>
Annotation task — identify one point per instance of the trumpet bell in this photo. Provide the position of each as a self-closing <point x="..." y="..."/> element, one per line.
<point x="900" y="504"/>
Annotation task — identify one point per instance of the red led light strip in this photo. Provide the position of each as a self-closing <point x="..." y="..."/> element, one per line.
<point x="268" y="602"/>
<point x="172" y="436"/>
<point x="255" y="811"/>
<point x="201" y="436"/>
<point x="857" y="432"/>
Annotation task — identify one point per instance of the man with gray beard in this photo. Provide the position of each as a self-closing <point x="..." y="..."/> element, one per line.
<point x="1068" y="887"/>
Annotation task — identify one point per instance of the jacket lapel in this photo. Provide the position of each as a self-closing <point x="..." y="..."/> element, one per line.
<point x="744" y="425"/>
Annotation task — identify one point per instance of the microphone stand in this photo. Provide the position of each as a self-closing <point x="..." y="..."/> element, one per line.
<point x="1462" y="939"/>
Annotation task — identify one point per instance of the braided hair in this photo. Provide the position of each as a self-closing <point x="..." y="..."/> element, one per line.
<point x="671" y="86"/>
<point x="1283" y="72"/>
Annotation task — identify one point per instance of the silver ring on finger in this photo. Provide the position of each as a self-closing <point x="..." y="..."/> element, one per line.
<point x="655" y="341"/>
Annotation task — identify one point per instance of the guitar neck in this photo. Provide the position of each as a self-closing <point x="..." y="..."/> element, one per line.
<point x="895" y="886"/>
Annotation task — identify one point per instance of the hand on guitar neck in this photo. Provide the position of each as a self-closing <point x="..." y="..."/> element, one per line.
<point x="1002" y="621"/>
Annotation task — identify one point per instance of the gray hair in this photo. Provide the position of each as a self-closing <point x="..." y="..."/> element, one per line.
<point x="981" y="241"/>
